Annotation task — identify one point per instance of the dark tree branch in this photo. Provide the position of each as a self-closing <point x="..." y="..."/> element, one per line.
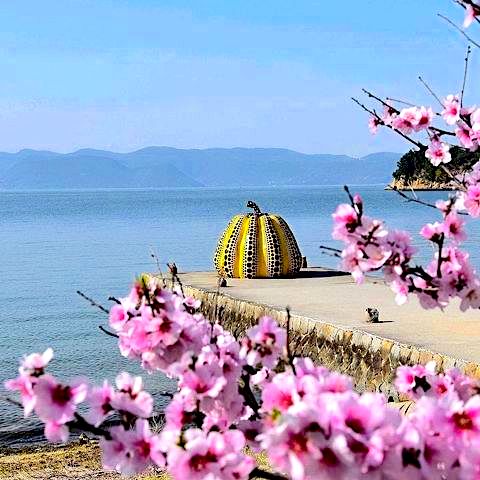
<point x="11" y="401"/>
<point x="467" y="55"/>
<point x="440" y="259"/>
<point x="81" y="424"/>
<point x="434" y="95"/>
<point x="245" y="390"/>
<point x="107" y="332"/>
<point x="165" y="393"/>
<point x="401" y="101"/>
<point x="157" y="263"/>
<point x="330" y="249"/>
<point x="441" y="131"/>
<point x="290" y="356"/>
<point x="452" y="176"/>
<point x="92" y="302"/>
<point x="378" y="99"/>
<point x="468" y="37"/>
<point x="417" y="200"/>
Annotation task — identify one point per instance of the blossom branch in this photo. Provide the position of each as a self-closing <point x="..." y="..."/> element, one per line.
<point x="417" y="200"/>
<point x="381" y="122"/>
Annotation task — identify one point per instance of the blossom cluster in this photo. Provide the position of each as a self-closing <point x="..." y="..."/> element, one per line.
<point x="319" y="428"/>
<point x="162" y="329"/>
<point x="233" y="394"/>
<point x="370" y="246"/>
<point x="406" y="121"/>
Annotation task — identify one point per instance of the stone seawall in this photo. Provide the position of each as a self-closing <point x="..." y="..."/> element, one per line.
<point x="371" y="360"/>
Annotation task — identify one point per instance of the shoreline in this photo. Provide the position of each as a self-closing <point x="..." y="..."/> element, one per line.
<point x="74" y="461"/>
<point x="419" y="189"/>
<point x="78" y="460"/>
<point x="420" y="186"/>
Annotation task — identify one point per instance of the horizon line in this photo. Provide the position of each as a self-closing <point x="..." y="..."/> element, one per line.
<point x="187" y="149"/>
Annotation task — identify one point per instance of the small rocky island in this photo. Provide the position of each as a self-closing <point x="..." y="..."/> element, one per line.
<point x="414" y="171"/>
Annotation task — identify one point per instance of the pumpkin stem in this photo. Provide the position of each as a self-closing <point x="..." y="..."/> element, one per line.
<point x="255" y="207"/>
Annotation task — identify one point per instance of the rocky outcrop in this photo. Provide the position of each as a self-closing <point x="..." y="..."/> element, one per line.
<point x="420" y="185"/>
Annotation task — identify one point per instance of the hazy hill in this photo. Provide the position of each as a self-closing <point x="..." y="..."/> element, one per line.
<point x="165" y="166"/>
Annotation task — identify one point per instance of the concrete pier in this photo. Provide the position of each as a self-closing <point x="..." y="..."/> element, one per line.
<point x="329" y="323"/>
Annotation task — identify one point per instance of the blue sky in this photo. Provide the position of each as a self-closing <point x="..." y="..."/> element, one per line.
<point x="123" y="74"/>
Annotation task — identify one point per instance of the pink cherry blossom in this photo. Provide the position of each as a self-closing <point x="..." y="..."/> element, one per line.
<point x="412" y="381"/>
<point x="472" y="200"/>
<point x="99" y="400"/>
<point x="432" y="231"/>
<point x="192" y="303"/>
<point x="210" y="456"/>
<point x="466" y="136"/>
<point x="179" y="411"/>
<point x="23" y="384"/>
<point x="475" y="120"/>
<point x="413" y="119"/>
<point x="389" y="115"/>
<point x="373" y="124"/>
<point x="118" y="316"/>
<point x="131" y="397"/>
<point x="280" y="393"/>
<point x="345" y="220"/>
<point x="424" y="117"/>
<point x="264" y="343"/>
<point x="451" y="112"/>
<point x="453" y="227"/>
<point x="464" y="419"/>
<point x="471" y="12"/>
<point x="438" y="152"/>
<point x="206" y="379"/>
<point x="146" y="447"/>
<point x="57" y="402"/>
<point x="405" y="121"/>
<point x="36" y="362"/>
<point x="56" y="432"/>
<point x="131" y="451"/>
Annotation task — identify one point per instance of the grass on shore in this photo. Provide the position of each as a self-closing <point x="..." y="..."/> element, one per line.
<point x="70" y="462"/>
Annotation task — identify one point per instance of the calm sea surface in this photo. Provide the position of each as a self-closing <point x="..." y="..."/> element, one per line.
<point x="54" y="243"/>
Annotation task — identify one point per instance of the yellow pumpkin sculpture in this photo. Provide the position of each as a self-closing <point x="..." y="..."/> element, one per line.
<point x="256" y="245"/>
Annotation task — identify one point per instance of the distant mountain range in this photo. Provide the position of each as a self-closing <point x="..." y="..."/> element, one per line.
<point x="172" y="167"/>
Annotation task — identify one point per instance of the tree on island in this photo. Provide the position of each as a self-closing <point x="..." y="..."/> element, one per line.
<point x="233" y="393"/>
<point x="414" y="167"/>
